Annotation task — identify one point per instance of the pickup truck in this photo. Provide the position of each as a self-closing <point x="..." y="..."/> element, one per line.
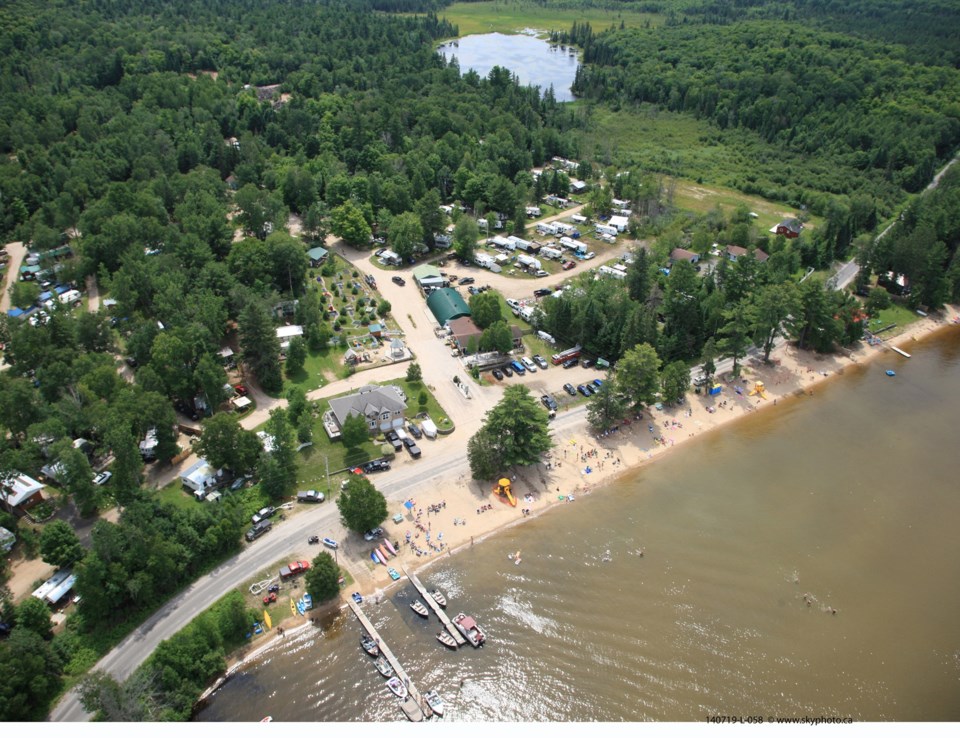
<point x="258" y="530"/>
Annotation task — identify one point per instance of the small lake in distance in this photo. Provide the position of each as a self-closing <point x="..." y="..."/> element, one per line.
<point x="534" y="61"/>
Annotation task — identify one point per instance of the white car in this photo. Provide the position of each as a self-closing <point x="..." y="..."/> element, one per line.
<point x="531" y="367"/>
<point x="102" y="478"/>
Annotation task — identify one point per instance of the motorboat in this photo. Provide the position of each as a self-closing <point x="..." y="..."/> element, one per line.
<point x="418" y="607"/>
<point x="470" y="630"/>
<point x="435" y="702"/>
<point x="369" y="645"/>
<point x="447" y="640"/>
<point x="439" y="598"/>
<point x="394" y="575"/>
<point x="383" y="666"/>
<point x="357" y="598"/>
<point x="330" y="543"/>
<point x="397" y="687"/>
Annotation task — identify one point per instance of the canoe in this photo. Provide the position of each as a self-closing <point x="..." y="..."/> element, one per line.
<point x="376" y="559"/>
<point x="390" y="547"/>
<point x="383" y="553"/>
<point x="377" y="556"/>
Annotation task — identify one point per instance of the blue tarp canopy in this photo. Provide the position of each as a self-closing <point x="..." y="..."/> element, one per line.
<point x="408" y="504"/>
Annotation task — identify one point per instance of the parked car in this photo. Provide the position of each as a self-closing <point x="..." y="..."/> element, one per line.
<point x="131" y="362"/>
<point x="258" y="529"/>
<point x="584" y="390"/>
<point x="415" y="430"/>
<point x="467" y="280"/>
<point x="102" y="478"/>
<point x="569" y="388"/>
<point x="512" y="303"/>
<point x="409" y="442"/>
<point x="394" y="440"/>
<point x="263" y="514"/>
<point x="549" y="402"/>
<point x="568" y="265"/>
<point x="529" y="365"/>
<point x="542" y="292"/>
<point x="376" y="465"/>
<point x="519" y="368"/>
<point x="497" y="374"/>
<point x="541" y="273"/>
<point x="399" y="280"/>
<point x="570" y="363"/>
<point x="598" y="383"/>
<point x="587" y="363"/>
<point x="240" y="390"/>
<point x="238" y="484"/>
<point x="373" y="534"/>
<point x="414" y="450"/>
<point x="540" y="361"/>
<point x="508" y="370"/>
<point x="310" y="495"/>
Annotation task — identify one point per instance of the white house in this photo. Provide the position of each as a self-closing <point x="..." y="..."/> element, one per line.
<point x="287" y="332"/>
<point x="619" y="222"/>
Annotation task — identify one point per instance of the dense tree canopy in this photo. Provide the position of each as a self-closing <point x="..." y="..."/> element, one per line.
<point x="362" y="506"/>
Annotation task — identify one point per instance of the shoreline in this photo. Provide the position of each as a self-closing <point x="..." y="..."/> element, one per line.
<point x="792" y="374"/>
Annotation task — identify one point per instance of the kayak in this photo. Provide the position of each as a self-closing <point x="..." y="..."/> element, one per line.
<point x="390" y="547"/>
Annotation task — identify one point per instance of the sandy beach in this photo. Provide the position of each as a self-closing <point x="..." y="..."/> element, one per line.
<point x="459" y="513"/>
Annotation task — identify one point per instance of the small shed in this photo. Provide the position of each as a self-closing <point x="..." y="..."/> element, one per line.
<point x="376" y="330"/>
<point x="317" y="256"/>
<point x="241" y="403"/>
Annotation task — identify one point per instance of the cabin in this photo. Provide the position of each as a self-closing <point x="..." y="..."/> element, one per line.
<point x="619" y="222"/>
<point x="788" y="228"/>
<point x="465" y="334"/>
<point x="20" y="492"/>
<point x="317" y="256"/>
<point x="735" y="252"/>
<point x="684" y="255"/>
<point x="286" y="333"/>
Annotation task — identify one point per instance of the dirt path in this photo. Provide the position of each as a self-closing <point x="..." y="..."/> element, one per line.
<point x="93" y="294"/>
<point x="17" y="251"/>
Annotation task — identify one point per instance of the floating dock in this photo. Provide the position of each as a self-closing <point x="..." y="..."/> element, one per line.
<point x="414" y="706"/>
<point x="900" y="351"/>
<point x="432" y="603"/>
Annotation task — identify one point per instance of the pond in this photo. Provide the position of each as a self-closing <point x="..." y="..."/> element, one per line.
<point x="533" y="60"/>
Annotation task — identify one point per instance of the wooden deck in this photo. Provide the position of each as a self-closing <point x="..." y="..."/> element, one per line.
<point x="414" y="707"/>
<point x="432" y="603"/>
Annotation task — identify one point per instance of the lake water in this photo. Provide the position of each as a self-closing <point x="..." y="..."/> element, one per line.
<point x="534" y="61"/>
<point x="752" y="536"/>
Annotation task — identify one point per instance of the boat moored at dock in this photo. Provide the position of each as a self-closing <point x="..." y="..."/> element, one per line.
<point x="418" y="607"/>
<point x="470" y="630"/>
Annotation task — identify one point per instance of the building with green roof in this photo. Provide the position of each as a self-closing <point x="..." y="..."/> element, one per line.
<point x="446" y="304"/>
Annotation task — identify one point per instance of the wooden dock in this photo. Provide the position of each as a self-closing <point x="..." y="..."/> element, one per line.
<point x="900" y="351"/>
<point x="432" y="603"/>
<point x="414" y="707"/>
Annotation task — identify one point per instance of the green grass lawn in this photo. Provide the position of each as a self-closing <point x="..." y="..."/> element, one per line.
<point x="318" y="369"/>
<point x="512" y="17"/>
<point x="898" y="314"/>
<point x="324" y="453"/>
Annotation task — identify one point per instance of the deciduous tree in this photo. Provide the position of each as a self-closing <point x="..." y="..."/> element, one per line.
<point x="323" y="578"/>
<point x="638" y="375"/>
<point x="362" y="506"/>
<point x="59" y="544"/>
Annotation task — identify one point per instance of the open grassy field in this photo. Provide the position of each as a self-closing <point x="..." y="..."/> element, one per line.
<point x="517" y="15"/>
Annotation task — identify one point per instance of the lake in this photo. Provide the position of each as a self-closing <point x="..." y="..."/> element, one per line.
<point x="534" y="61"/>
<point x="798" y="563"/>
